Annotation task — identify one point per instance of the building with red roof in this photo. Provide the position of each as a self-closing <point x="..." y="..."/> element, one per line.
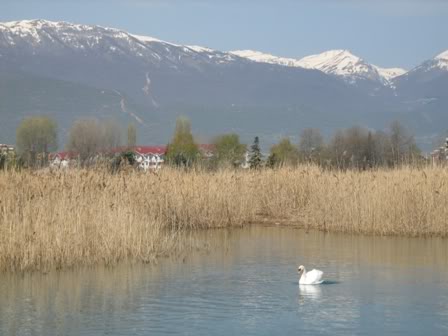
<point x="147" y="157"/>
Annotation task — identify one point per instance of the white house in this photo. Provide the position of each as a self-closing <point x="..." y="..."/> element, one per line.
<point x="149" y="157"/>
<point x="245" y="164"/>
<point x="5" y="149"/>
<point x="61" y="160"/>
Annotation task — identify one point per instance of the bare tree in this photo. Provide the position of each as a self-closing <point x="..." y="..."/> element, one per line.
<point x="311" y="144"/>
<point x="110" y="134"/>
<point x="353" y="147"/>
<point x="85" y="138"/>
<point x="402" y="146"/>
<point x="338" y="153"/>
<point x="89" y="137"/>
<point x="382" y="148"/>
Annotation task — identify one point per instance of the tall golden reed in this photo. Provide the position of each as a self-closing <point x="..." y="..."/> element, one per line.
<point x="86" y="217"/>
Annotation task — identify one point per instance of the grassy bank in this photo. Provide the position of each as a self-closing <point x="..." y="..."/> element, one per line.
<point x="59" y="219"/>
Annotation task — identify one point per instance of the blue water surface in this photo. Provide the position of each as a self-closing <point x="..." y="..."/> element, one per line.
<point x="244" y="282"/>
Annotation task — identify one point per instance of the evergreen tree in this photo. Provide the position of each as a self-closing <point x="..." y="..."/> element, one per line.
<point x="255" y="158"/>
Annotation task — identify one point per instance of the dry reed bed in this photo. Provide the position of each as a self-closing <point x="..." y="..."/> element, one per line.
<point x="80" y="217"/>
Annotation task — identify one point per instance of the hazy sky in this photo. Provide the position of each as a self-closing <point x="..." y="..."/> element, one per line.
<point x="384" y="32"/>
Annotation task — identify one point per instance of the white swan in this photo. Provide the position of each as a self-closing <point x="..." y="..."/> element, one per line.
<point x="313" y="277"/>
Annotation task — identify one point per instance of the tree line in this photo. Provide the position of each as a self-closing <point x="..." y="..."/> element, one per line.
<point x="355" y="147"/>
<point x="37" y="137"/>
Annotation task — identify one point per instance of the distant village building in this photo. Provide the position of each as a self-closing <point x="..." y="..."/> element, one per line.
<point x="7" y="155"/>
<point x="440" y="155"/>
<point x="153" y="157"/>
<point x="62" y="160"/>
<point x="148" y="158"/>
<point x="6" y="149"/>
<point x="207" y="150"/>
<point x="245" y="164"/>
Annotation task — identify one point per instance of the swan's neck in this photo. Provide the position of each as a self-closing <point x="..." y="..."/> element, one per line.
<point x="303" y="275"/>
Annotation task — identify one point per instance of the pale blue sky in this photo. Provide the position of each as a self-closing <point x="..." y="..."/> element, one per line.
<point x="384" y="32"/>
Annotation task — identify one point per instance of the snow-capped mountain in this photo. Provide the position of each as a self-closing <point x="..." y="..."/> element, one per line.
<point x="152" y="81"/>
<point x="390" y="73"/>
<point x="341" y="63"/>
<point x="442" y="60"/>
<point x="103" y="57"/>
<point x="72" y="71"/>
<point x="430" y="69"/>
<point x="426" y="81"/>
<point x="38" y="35"/>
<point x="258" y="56"/>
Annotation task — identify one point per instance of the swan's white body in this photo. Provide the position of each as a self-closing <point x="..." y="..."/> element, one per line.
<point x="313" y="277"/>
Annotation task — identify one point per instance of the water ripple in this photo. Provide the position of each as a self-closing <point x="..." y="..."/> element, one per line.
<point x="247" y="286"/>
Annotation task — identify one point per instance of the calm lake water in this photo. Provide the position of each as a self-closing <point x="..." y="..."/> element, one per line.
<point x="245" y="284"/>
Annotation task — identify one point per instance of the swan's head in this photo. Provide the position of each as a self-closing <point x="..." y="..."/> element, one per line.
<point x="300" y="269"/>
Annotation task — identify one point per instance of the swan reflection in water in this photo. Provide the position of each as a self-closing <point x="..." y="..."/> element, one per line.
<point x="307" y="292"/>
<point x="311" y="291"/>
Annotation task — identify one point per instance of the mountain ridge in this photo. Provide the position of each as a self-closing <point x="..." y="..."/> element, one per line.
<point x="339" y="62"/>
<point x="220" y="91"/>
<point x="336" y="62"/>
